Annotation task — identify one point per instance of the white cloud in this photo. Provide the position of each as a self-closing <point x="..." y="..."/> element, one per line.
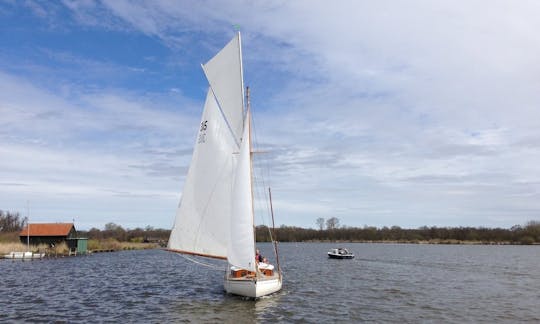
<point x="114" y="149"/>
<point x="412" y="113"/>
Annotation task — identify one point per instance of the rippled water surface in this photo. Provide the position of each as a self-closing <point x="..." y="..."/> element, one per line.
<point x="384" y="283"/>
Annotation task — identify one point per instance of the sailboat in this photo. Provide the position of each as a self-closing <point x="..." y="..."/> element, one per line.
<point x="215" y="217"/>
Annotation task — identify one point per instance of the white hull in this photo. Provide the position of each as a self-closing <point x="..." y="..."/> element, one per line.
<point x="24" y="255"/>
<point x="252" y="288"/>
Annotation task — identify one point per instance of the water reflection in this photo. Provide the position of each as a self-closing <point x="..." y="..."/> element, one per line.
<point x="223" y="307"/>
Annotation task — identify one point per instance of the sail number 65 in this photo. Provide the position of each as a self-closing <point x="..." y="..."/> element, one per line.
<point x="202" y="132"/>
<point x="203" y="125"/>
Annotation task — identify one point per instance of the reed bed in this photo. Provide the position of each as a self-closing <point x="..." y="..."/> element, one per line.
<point x="114" y="245"/>
<point x="62" y="248"/>
<point x="137" y="246"/>
<point x="6" y="248"/>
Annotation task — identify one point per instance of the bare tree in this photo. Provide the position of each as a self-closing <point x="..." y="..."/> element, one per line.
<point x="11" y="221"/>
<point x="320" y="223"/>
<point x="332" y="223"/>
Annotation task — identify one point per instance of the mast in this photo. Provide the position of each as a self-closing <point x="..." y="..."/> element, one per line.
<point x="27" y="226"/>
<point x="274" y="231"/>
<point x="248" y="115"/>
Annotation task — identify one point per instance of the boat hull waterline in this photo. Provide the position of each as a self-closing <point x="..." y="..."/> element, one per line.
<point x="340" y="256"/>
<point x="251" y="287"/>
<point x="340" y="253"/>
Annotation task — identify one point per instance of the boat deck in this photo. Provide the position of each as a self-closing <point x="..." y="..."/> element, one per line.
<point x="250" y="277"/>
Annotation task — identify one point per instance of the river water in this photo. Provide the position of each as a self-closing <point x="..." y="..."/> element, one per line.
<point x="384" y="283"/>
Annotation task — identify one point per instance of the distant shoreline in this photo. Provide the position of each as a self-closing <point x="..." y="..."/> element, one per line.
<point x="517" y="235"/>
<point x="443" y="242"/>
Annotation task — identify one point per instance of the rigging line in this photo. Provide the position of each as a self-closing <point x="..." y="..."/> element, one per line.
<point x="265" y="204"/>
<point x="265" y="166"/>
<point x="261" y="197"/>
<point x="264" y="196"/>
<point x="211" y="266"/>
<point x="261" y="178"/>
<point x="256" y="142"/>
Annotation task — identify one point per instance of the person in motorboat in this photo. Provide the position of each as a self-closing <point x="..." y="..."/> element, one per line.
<point x="340" y="253"/>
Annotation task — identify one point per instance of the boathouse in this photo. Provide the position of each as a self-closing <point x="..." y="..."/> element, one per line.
<point x="53" y="234"/>
<point x="48" y="233"/>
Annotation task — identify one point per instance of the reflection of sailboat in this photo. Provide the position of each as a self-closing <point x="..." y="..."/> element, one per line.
<point x="201" y="309"/>
<point x="215" y="215"/>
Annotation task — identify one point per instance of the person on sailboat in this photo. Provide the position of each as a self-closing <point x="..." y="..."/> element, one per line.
<point x="258" y="256"/>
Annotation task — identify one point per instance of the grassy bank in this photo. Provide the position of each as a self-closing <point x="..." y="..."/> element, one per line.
<point x="10" y="242"/>
<point x="8" y="247"/>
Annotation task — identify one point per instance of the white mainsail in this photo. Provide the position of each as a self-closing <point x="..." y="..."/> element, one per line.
<point x="203" y="215"/>
<point x="241" y="250"/>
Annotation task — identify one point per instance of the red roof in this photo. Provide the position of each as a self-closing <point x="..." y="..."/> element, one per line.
<point x="49" y="229"/>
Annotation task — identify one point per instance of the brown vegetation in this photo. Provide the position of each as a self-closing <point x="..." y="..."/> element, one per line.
<point x="8" y="247"/>
<point x="9" y="237"/>
<point x="111" y="244"/>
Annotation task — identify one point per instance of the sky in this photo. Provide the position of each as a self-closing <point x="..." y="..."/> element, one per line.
<point x="380" y="113"/>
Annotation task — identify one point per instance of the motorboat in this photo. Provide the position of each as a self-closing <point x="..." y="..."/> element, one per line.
<point x="340" y="253"/>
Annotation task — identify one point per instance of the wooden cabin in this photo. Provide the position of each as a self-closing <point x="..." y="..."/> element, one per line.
<point x="48" y="233"/>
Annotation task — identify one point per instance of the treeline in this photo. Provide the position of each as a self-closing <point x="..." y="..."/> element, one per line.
<point x="528" y="234"/>
<point x="136" y="235"/>
<point x="11" y="221"/>
<point x="328" y="230"/>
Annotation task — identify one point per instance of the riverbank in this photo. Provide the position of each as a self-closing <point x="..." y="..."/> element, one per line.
<point x="61" y="249"/>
